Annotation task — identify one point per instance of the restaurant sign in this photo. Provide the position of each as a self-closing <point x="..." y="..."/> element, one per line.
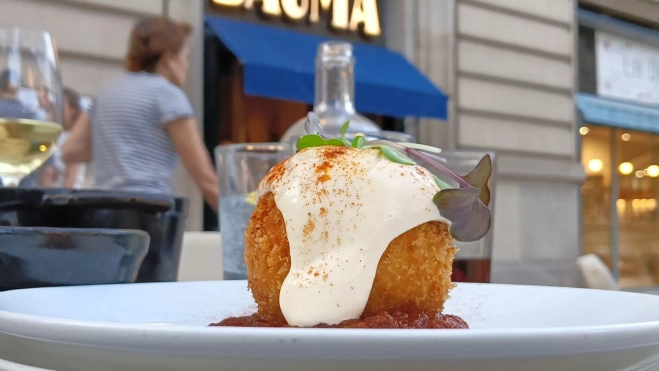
<point x="343" y="17"/>
<point x="626" y="69"/>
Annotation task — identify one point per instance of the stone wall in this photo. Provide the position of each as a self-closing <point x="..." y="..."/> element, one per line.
<point x="509" y="67"/>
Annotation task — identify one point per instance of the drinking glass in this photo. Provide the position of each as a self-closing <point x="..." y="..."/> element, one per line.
<point x="240" y="168"/>
<point x="473" y="260"/>
<point x="31" y="102"/>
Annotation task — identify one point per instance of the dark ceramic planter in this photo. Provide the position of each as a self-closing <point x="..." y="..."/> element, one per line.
<point x="42" y="257"/>
<point x="162" y="217"/>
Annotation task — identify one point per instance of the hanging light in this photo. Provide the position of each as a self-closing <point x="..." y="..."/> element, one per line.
<point x="626" y="168"/>
<point x="595" y="165"/>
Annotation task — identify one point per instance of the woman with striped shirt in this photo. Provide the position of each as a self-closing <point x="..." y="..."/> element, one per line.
<point x="142" y="122"/>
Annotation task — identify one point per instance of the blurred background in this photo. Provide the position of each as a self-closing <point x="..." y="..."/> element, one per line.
<point x="564" y="91"/>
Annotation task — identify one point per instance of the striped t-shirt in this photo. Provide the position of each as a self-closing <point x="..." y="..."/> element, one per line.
<point x="131" y="147"/>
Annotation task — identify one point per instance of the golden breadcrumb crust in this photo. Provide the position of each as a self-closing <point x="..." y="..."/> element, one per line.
<point x="413" y="273"/>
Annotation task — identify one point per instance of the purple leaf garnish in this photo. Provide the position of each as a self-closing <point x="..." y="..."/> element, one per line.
<point x="470" y="218"/>
<point x="479" y="176"/>
<point x="430" y="160"/>
<point x="466" y="206"/>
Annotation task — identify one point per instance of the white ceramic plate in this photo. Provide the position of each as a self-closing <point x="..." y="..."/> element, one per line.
<point x="151" y="327"/>
<point x="12" y="366"/>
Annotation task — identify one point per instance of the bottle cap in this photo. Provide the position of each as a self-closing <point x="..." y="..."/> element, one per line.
<point x="335" y="51"/>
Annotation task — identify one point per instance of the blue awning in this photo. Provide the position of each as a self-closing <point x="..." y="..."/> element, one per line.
<point x="617" y="113"/>
<point x="280" y="64"/>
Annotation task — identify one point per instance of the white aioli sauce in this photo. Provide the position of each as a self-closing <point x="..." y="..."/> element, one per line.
<point x="342" y="208"/>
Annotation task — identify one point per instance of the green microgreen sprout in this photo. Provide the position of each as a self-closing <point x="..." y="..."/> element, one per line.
<point x="315" y="136"/>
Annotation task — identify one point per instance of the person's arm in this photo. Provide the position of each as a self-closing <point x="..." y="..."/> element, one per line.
<point x="195" y="158"/>
<point x="47" y="176"/>
<point x="71" y="175"/>
<point x="78" y="147"/>
<point x="177" y="117"/>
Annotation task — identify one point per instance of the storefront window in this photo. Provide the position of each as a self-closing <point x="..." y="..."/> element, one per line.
<point x="638" y="159"/>
<point x="626" y="164"/>
<point x="596" y="192"/>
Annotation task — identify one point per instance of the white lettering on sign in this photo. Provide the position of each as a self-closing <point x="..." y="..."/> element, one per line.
<point x="295" y="9"/>
<point x="271" y="7"/>
<point x="339" y="12"/>
<point x="363" y="12"/>
<point x="627" y="69"/>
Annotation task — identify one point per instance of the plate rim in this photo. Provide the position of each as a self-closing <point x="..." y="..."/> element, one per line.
<point x="30" y="318"/>
<point x="109" y="335"/>
<point x="13" y="366"/>
<point x="218" y="342"/>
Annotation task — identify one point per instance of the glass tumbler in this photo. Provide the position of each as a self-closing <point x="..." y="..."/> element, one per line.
<point x="240" y="168"/>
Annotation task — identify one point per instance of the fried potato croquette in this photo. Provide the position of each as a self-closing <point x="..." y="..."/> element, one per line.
<point x="413" y="273"/>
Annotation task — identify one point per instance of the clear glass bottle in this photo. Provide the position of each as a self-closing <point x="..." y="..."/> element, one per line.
<point x="335" y="93"/>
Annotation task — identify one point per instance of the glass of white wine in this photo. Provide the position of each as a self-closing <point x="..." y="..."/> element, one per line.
<point x="31" y="103"/>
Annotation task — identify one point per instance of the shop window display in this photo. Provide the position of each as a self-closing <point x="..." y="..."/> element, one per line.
<point x="624" y="164"/>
